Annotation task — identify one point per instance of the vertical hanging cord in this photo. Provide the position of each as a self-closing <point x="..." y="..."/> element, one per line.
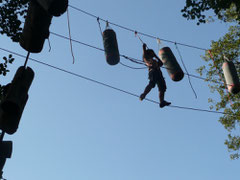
<point x="189" y="80"/>
<point x="226" y="89"/>
<point x="26" y="61"/>
<point x="70" y="38"/>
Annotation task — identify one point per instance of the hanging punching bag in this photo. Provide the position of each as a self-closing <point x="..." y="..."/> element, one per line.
<point x="54" y="7"/>
<point x="111" y="47"/>
<point x="173" y="68"/>
<point x="36" y="28"/>
<point x="231" y="77"/>
<point x="12" y="106"/>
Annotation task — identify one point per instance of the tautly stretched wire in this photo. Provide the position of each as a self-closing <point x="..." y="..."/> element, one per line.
<point x="132" y="67"/>
<point x="112" y="87"/>
<point x="131" y="30"/>
<point x="134" y="60"/>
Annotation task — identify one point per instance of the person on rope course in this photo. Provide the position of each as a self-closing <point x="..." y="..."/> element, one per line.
<point x="154" y="75"/>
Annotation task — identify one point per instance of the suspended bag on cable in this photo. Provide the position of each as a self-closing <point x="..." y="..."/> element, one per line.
<point x="111" y="47"/>
<point x="36" y="28"/>
<point x="54" y="7"/>
<point x="12" y="106"/>
<point x="231" y="77"/>
<point x="173" y="68"/>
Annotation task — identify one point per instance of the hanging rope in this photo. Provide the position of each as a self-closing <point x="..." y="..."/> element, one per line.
<point x="49" y="45"/>
<point x="189" y="80"/>
<point x="99" y="25"/>
<point x="158" y="43"/>
<point x="70" y="37"/>
<point x="107" y="25"/>
<point x="26" y="61"/>
<point x="136" y="35"/>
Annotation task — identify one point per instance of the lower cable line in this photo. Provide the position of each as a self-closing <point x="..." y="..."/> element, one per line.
<point x="112" y="87"/>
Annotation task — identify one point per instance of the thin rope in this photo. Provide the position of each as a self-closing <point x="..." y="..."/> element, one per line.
<point x="26" y="61"/>
<point x="189" y="80"/>
<point x="131" y="30"/>
<point x="70" y="38"/>
<point x="76" y="41"/>
<point x="100" y="28"/>
<point x="130" y="67"/>
<point x="107" y="25"/>
<point x="136" y="35"/>
<point x="133" y="60"/>
<point x="158" y="43"/>
<point x="49" y="45"/>
<point x="112" y="87"/>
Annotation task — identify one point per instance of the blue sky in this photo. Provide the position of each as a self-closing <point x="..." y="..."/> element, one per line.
<point x="75" y="129"/>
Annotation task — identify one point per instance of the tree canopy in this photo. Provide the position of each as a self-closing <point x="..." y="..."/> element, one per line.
<point x="4" y="70"/>
<point x="11" y="13"/>
<point x="227" y="47"/>
<point x="226" y="10"/>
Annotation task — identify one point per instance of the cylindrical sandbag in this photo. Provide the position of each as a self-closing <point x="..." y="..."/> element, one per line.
<point x="36" y="28"/>
<point x="173" y="68"/>
<point x="54" y="7"/>
<point x="11" y="108"/>
<point x="6" y="149"/>
<point x="10" y="116"/>
<point x="111" y="47"/>
<point x="231" y="77"/>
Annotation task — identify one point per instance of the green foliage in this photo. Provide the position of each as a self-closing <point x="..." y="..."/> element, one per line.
<point x="233" y="144"/>
<point x="228" y="46"/>
<point x="4" y="70"/>
<point x="11" y="13"/>
<point x="3" y="66"/>
<point x="226" y="10"/>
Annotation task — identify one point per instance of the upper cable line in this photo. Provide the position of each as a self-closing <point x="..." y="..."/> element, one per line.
<point x="134" y="60"/>
<point x="135" y="31"/>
